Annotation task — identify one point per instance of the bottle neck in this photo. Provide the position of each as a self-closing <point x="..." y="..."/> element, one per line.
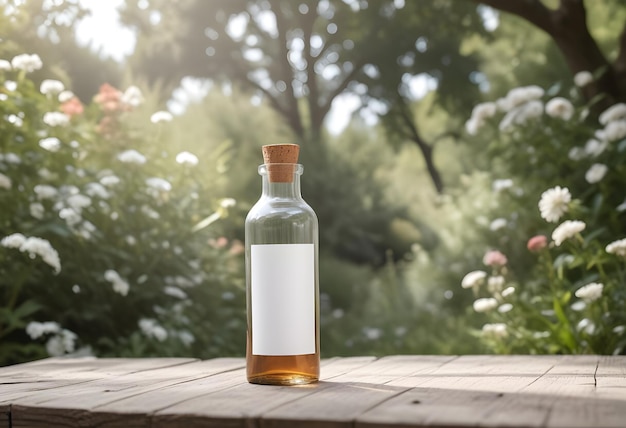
<point x="286" y="190"/>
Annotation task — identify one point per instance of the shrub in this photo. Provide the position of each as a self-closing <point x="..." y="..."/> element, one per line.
<point x="110" y="244"/>
<point x="560" y="221"/>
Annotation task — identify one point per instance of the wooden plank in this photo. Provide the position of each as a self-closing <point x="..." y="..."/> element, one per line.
<point x="5" y="421"/>
<point x="73" y="404"/>
<point x="599" y="401"/>
<point x="532" y="405"/>
<point x="457" y="393"/>
<point x="356" y="391"/>
<point x="395" y="391"/>
<point x="243" y="404"/>
<point x="56" y="373"/>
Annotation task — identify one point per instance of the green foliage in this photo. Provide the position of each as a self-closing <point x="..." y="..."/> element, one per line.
<point x="47" y="28"/>
<point x="566" y="285"/>
<point x="99" y="252"/>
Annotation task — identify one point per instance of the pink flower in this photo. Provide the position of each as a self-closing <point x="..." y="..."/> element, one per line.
<point x="494" y="258"/>
<point x="72" y="107"/>
<point x="537" y="243"/>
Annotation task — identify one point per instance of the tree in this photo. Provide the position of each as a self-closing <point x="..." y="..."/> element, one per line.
<point x="567" y="25"/>
<point x="47" y="29"/>
<point x="301" y="56"/>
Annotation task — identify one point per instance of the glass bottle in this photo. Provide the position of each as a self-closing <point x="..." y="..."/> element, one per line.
<point x="283" y="346"/>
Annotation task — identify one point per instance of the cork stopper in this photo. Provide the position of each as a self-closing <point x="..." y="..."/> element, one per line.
<point x="276" y="154"/>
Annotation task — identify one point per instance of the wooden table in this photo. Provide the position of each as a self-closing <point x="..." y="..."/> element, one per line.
<point x="407" y="391"/>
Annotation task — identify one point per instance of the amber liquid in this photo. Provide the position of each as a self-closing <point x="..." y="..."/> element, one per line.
<point x="282" y="370"/>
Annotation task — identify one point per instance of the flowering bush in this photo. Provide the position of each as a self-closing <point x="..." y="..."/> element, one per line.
<point x="98" y="249"/>
<point x="567" y="294"/>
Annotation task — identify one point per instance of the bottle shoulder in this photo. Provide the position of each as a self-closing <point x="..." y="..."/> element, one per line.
<point x="267" y="207"/>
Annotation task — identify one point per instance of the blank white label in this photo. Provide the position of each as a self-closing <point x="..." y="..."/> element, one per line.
<point x="283" y="299"/>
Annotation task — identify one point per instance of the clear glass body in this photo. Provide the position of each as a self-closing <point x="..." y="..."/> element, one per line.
<point x="281" y="216"/>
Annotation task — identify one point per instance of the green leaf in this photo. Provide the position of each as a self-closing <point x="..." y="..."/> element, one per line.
<point x="621" y="146"/>
<point x="207" y="221"/>
<point x="564" y="331"/>
<point x="27" y="308"/>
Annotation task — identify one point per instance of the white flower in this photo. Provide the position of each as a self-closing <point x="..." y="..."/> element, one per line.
<point x="595" y="148"/>
<point x="508" y="291"/>
<point x="71" y="216"/>
<point x="485" y="304"/>
<point x="42" y="248"/>
<point x="51" y="87"/>
<point x="5" y="65"/>
<point x="186" y="337"/>
<point x="495" y="330"/>
<point x="501" y="184"/>
<point x="228" y="202"/>
<point x="132" y="156"/>
<point x="10" y="85"/>
<point x="37" y="329"/>
<point x="159" y="184"/>
<point x="120" y="286"/>
<point x="576" y="153"/>
<point x="56" y="118"/>
<point x="16" y="240"/>
<point x="65" y="96"/>
<point x="97" y="190"/>
<point x="615" y="130"/>
<point x="480" y="114"/>
<point x="621" y="207"/>
<point x="37" y="210"/>
<point x="15" y="120"/>
<point x="52" y="144"/>
<point x="596" y="173"/>
<point x="68" y="339"/>
<point x="26" y="62"/>
<point x="566" y="230"/>
<point x="495" y="284"/>
<point x="161" y="116"/>
<point x="613" y="113"/>
<point x="45" y="191"/>
<point x="54" y="346"/>
<point x="590" y="292"/>
<point x="372" y="333"/>
<point x="149" y="212"/>
<point x="473" y="279"/>
<point x="11" y="158"/>
<point x="152" y="329"/>
<point x="554" y="203"/>
<point x="520" y="115"/>
<point x="5" y="182"/>
<point x="586" y="325"/>
<point x="132" y="96"/>
<point x="617" y="247"/>
<point x="109" y="180"/>
<point x="497" y="224"/>
<point x="578" y="306"/>
<point x="519" y="96"/>
<point x="583" y="78"/>
<point x="78" y="202"/>
<point x="175" y="292"/>
<point x="560" y="108"/>
<point x="187" y="158"/>
<point x="504" y="308"/>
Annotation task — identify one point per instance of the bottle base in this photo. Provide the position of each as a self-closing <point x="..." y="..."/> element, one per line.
<point x="286" y="379"/>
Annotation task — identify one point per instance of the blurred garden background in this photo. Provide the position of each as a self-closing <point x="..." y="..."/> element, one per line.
<point x="466" y="160"/>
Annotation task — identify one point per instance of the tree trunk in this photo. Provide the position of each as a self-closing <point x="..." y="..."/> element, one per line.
<point x="567" y="26"/>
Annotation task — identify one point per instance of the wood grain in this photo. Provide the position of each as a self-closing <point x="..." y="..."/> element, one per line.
<point x="394" y="391"/>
